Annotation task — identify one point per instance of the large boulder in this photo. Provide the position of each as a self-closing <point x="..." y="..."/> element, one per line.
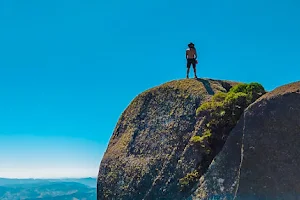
<point x="149" y="151"/>
<point x="155" y="148"/>
<point x="261" y="157"/>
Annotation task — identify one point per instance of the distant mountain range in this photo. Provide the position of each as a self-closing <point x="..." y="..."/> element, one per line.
<point x="46" y="189"/>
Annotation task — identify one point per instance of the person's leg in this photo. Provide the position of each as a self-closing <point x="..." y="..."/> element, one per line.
<point x="194" y="67"/>
<point x="188" y="65"/>
<point x="187" y="72"/>
<point x="195" y="72"/>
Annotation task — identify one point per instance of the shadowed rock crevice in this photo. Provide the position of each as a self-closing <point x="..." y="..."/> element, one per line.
<point x="241" y="158"/>
<point x="207" y="86"/>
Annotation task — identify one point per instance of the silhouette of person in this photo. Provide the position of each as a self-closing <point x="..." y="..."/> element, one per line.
<point x="191" y="57"/>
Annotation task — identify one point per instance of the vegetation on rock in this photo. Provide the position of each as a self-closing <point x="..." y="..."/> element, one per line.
<point x="241" y="95"/>
<point x="200" y="139"/>
<point x="161" y="147"/>
<point x="221" y="114"/>
<point x="189" y="180"/>
<point x="241" y="170"/>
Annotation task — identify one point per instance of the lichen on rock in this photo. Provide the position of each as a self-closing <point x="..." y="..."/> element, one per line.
<point x="260" y="157"/>
<point x="205" y="139"/>
<point x="151" y="136"/>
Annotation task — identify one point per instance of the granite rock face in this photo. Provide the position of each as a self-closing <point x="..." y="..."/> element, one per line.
<point x="261" y="156"/>
<point x="149" y="150"/>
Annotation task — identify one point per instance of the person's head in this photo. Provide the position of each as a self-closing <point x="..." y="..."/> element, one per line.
<point x="191" y="45"/>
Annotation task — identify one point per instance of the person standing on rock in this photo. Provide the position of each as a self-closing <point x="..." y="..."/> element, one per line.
<point x="191" y="57"/>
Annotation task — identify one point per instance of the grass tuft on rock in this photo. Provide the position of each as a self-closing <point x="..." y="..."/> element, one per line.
<point x="189" y="180"/>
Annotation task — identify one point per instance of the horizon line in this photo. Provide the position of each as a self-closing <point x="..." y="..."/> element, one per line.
<point x="51" y="178"/>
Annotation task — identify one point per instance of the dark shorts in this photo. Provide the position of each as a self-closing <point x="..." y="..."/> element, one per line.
<point x="191" y="61"/>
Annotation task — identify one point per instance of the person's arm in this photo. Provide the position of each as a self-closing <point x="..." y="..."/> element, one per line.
<point x="196" y="56"/>
<point x="186" y="54"/>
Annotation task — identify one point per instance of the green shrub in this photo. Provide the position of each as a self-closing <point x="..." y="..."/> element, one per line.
<point x="207" y="133"/>
<point x="241" y="87"/>
<point x="207" y="106"/>
<point x="225" y="108"/>
<point x="255" y="90"/>
<point x="196" y="139"/>
<point x="219" y="97"/>
<point x="235" y="98"/>
<point x="200" y="139"/>
<point x="189" y="180"/>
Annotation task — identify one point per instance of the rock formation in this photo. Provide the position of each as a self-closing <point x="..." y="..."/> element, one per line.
<point x="162" y="148"/>
<point x="261" y="156"/>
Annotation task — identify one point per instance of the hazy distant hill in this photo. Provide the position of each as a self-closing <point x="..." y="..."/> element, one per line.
<point x="46" y="189"/>
<point x="91" y="182"/>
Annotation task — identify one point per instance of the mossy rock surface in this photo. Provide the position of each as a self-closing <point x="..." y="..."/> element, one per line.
<point x="260" y="159"/>
<point x="151" y="149"/>
<point x="234" y="147"/>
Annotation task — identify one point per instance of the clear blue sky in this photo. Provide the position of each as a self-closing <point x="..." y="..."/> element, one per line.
<point x="68" y="68"/>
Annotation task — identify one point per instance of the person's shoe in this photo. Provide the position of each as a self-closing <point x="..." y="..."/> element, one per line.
<point x="187" y="77"/>
<point x="196" y="77"/>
